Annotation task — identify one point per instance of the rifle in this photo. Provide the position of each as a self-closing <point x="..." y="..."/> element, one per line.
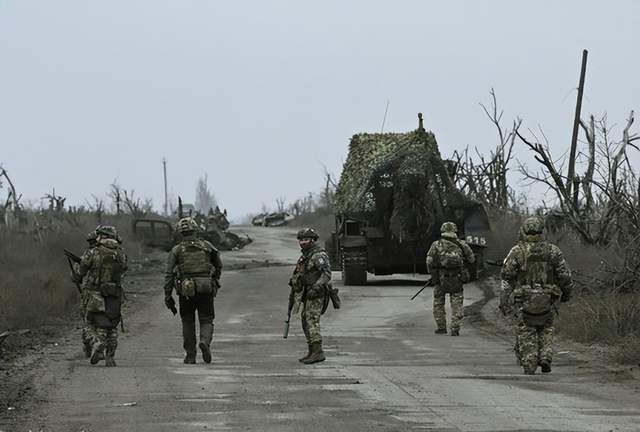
<point x="71" y="259"/>
<point x="285" y="333"/>
<point x="429" y="283"/>
<point x="494" y="263"/>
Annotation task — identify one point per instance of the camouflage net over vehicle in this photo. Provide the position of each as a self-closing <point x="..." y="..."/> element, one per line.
<point x="400" y="177"/>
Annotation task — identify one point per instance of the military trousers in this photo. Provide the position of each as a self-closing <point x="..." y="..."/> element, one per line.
<point x="439" y="314"/>
<point x="534" y="343"/>
<point x="311" y="312"/>
<point x="202" y="304"/>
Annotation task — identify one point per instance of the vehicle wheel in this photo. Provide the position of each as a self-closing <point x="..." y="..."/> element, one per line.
<point x="354" y="266"/>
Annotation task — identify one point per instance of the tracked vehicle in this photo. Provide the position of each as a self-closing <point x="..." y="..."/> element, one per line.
<point x="394" y="193"/>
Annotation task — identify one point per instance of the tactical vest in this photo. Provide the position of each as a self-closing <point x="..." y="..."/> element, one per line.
<point x="195" y="268"/>
<point x="194" y="257"/>
<point x="308" y="274"/>
<point x="536" y="289"/>
<point x="109" y="264"/>
<point x="104" y="299"/>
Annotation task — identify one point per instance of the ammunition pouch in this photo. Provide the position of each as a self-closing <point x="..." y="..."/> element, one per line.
<point x="537" y="320"/>
<point x="536" y="299"/>
<point x="187" y="288"/>
<point x="450" y="280"/>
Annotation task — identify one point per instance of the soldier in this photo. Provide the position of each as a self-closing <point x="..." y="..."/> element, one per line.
<point x="537" y="275"/>
<point x="193" y="269"/>
<point x="101" y="272"/>
<point x="448" y="261"/>
<point x="310" y="285"/>
<point x="86" y="330"/>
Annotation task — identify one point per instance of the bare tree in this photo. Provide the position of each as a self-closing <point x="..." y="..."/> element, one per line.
<point x="205" y="199"/>
<point x="56" y="202"/>
<point x="281" y="204"/>
<point x="115" y="193"/>
<point x="485" y="179"/>
<point x="97" y="207"/>
<point x="135" y="206"/>
<point x="608" y="199"/>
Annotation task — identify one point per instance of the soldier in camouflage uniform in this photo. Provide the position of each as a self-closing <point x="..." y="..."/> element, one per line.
<point x="448" y="260"/>
<point x="193" y="269"/>
<point x="101" y="272"/>
<point x="535" y="276"/>
<point x="86" y="330"/>
<point x="310" y="285"/>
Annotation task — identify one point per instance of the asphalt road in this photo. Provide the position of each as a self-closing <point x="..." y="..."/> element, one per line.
<point x="385" y="371"/>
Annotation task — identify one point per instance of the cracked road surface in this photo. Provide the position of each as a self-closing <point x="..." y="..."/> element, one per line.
<point x="385" y="371"/>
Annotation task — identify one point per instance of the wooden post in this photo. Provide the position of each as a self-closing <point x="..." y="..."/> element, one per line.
<point x="166" y="196"/>
<point x="576" y="126"/>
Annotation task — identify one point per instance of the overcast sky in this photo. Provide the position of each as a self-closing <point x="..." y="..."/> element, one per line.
<point x="261" y="94"/>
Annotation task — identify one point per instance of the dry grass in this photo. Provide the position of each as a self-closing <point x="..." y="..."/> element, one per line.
<point x="35" y="286"/>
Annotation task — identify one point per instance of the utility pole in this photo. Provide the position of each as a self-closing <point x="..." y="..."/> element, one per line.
<point x="576" y="127"/>
<point x="166" y="196"/>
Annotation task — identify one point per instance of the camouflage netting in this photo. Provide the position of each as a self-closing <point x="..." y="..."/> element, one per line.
<point x="404" y="173"/>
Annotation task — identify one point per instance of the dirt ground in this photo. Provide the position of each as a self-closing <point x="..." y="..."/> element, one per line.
<point x="386" y="370"/>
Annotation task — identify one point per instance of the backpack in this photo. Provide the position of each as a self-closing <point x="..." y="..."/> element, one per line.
<point x="451" y="258"/>
<point x="537" y="288"/>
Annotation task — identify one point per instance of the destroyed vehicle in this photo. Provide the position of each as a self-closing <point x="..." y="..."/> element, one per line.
<point x="159" y="233"/>
<point x="272" y="219"/>
<point x="393" y="196"/>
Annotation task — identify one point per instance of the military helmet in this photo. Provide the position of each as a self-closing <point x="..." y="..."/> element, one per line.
<point x="107" y="231"/>
<point x="532" y="225"/>
<point x="308" y="233"/>
<point x="186" y="224"/>
<point x="92" y="237"/>
<point x="449" y="229"/>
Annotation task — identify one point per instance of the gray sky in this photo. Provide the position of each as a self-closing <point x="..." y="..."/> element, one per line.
<point x="261" y="94"/>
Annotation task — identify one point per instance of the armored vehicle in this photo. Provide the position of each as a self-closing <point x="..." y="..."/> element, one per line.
<point x="394" y="193"/>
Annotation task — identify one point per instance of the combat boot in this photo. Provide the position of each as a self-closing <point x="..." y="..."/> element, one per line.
<point x="316" y="354"/>
<point x="440" y="330"/>
<point x="190" y="358"/>
<point x="306" y="356"/>
<point x="206" y="335"/>
<point x="455" y="332"/>
<point x="109" y="361"/>
<point x="545" y="366"/>
<point x="97" y="353"/>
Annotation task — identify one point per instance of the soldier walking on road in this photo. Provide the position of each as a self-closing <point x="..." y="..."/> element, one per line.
<point x="310" y="287"/>
<point x="193" y="269"/>
<point x="86" y="330"/>
<point x="448" y="261"/>
<point x="101" y="271"/>
<point x="536" y="274"/>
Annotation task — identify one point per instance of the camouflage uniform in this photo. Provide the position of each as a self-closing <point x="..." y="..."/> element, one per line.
<point x="101" y="271"/>
<point x="535" y="276"/>
<point x="193" y="269"/>
<point x="86" y="334"/>
<point x="449" y="278"/>
<point x="310" y="282"/>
